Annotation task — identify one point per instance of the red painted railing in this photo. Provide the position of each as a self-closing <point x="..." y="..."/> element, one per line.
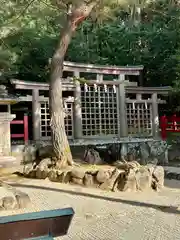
<point x="24" y="122"/>
<point x="169" y="124"/>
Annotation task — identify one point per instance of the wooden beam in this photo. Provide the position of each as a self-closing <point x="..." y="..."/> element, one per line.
<point x="148" y="90"/>
<point x="67" y="85"/>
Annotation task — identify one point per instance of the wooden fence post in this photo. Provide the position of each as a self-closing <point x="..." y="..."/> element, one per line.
<point x="26" y="130"/>
<point x="163" y="126"/>
<point x="174" y="122"/>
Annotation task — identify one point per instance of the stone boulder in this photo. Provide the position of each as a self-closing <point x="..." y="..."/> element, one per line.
<point x="45" y="152"/>
<point x="110" y="183"/>
<point x="31" y="174"/>
<point x="78" y="173"/>
<point x="53" y="176"/>
<point x="77" y="181"/>
<point x="64" y="177"/>
<point x="128" y="182"/>
<point x="158" y="178"/>
<point x="144" y="179"/>
<point x="92" y="156"/>
<point x="41" y="174"/>
<point x="45" y="164"/>
<point x="22" y="199"/>
<point x="103" y="175"/>
<point x="29" y="153"/>
<point x="9" y="203"/>
<point x="89" y="180"/>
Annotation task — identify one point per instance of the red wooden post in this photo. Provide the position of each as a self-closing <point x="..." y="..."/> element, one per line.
<point x="26" y="132"/>
<point x="174" y="122"/>
<point x="163" y="125"/>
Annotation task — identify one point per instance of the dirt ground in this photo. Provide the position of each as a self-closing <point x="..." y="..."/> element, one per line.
<point x="101" y="215"/>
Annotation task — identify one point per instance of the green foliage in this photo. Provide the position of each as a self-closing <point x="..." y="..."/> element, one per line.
<point x="150" y="38"/>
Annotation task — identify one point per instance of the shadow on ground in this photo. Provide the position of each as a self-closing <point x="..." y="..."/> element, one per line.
<point x="162" y="208"/>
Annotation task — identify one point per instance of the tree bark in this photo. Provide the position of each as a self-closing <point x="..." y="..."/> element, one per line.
<point x="59" y="138"/>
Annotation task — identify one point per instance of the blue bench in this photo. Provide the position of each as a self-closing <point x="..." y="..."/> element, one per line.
<point x="42" y="225"/>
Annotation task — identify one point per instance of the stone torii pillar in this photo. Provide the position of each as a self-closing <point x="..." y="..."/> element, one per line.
<point x="77" y="109"/>
<point x="123" y="132"/>
<point x="36" y="114"/>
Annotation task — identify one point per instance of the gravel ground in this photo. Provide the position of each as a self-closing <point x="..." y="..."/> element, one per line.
<point x="103" y="215"/>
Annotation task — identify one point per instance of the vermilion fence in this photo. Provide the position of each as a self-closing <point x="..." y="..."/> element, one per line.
<point x="169" y="124"/>
<point x="25" y="134"/>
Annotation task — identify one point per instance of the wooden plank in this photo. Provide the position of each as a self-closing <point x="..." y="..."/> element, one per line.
<point x="52" y="223"/>
<point x="17" y="135"/>
<point x="17" y="122"/>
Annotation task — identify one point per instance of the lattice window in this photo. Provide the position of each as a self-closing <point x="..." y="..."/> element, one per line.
<point x="45" y="119"/>
<point x="139" y="118"/>
<point x="99" y="110"/>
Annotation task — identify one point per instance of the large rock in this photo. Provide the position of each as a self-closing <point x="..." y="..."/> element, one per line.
<point x="109" y="153"/>
<point x="45" y="152"/>
<point x="88" y="180"/>
<point x="53" y="176"/>
<point x="64" y="177"/>
<point x="125" y="166"/>
<point x="45" y="164"/>
<point x="41" y="174"/>
<point x="158" y="178"/>
<point x="78" y="181"/>
<point x="159" y="150"/>
<point x="92" y="156"/>
<point x="128" y="182"/>
<point x="144" y="179"/>
<point x="103" y="175"/>
<point x="174" y="153"/>
<point x="78" y="173"/>
<point x="93" y="172"/>
<point x="22" y="199"/>
<point x="9" y="203"/>
<point x="110" y="184"/>
<point x="31" y="174"/>
<point x="26" y="169"/>
<point x="29" y="153"/>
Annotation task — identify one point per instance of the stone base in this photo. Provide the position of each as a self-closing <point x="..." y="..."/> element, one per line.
<point x="8" y="165"/>
<point x="8" y="161"/>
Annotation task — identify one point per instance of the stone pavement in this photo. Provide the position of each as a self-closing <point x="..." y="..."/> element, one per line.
<point x="103" y="215"/>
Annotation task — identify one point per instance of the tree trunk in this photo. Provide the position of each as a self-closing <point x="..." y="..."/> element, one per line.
<point x="59" y="137"/>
